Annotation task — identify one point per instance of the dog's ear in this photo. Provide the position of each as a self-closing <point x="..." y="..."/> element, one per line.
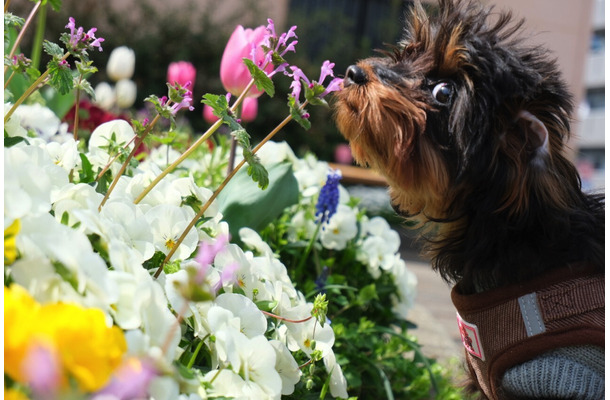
<point x="535" y="134"/>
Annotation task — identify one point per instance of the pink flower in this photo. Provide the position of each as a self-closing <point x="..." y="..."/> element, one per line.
<point x="243" y="43"/>
<point x="343" y="154"/>
<point x="131" y="380"/>
<point x="181" y="72"/>
<point x="249" y="110"/>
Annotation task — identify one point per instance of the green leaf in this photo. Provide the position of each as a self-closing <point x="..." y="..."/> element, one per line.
<point x="11" y="141"/>
<point x="259" y="174"/>
<point x="55" y="4"/>
<point x="155" y="261"/>
<point x="298" y="114"/>
<point x="244" y="204"/>
<point x="261" y="80"/>
<point x="52" y="49"/>
<point x="60" y="77"/>
<point x="367" y="293"/>
<point x="86" y="174"/>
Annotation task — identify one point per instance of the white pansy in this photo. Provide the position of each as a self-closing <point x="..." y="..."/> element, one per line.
<point x="158" y="321"/>
<point x="406" y="284"/>
<point x="163" y="388"/>
<point x="301" y="227"/>
<point x="126" y="92"/>
<point x="105" y="96"/>
<point x="167" y="223"/>
<point x="30" y="181"/>
<point x="226" y="383"/>
<point x="43" y="237"/>
<point x="39" y="119"/>
<point x="252" y="239"/>
<point x="275" y="152"/>
<point x="105" y="141"/>
<point x="252" y="322"/>
<point x="379" y="227"/>
<point x="341" y="228"/>
<point x="254" y="360"/>
<point x="126" y="223"/>
<point x="13" y="127"/>
<point x="76" y="197"/>
<point x="121" y="63"/>
<point x="63" y="154"/>
<point x="126" y="310"/>
<point x="286" y="366"/>
<point x="310" y="173"/>
<point x="302" y="335"/>
<point x="163" y="156"/>
<point x="337" y="383"/>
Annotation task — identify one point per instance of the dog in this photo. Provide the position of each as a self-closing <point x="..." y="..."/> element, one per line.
<point x="469" y="126"/>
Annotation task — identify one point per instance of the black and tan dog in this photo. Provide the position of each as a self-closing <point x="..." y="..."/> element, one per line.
<point x="468" y="124"/>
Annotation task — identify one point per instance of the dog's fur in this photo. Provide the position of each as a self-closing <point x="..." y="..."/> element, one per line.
<point x="469" y="125"/>
<point x="500" y="205"/>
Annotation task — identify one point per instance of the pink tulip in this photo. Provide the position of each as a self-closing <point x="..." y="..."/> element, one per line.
<point x="208" y="114"/>
<point x="181" y="72"/>
<point x="343" y="154"/>
<point x="243" y="43"/>
<point x="248" y="112"/>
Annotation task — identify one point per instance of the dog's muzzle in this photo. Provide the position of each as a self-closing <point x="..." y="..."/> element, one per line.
<point x="355" y="75"/>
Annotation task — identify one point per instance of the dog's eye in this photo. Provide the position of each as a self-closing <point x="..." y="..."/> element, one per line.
<point x="442" y="92"/>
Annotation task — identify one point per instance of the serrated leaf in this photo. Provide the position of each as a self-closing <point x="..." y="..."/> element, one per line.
<point x="259" y="174"/>
<point x="242" y="138"/>
<point x="52" y="49"/>
<point x="261" y="80"/>
<point x="60" y="78"/>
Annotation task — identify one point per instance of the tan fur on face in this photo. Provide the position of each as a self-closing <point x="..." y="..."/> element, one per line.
<point x="385" y="127"/>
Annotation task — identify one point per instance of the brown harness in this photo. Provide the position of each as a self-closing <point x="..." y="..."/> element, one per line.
<point x="507" y="326"/>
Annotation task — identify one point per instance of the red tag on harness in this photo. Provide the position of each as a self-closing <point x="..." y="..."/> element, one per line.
<point x="470" y="338"/>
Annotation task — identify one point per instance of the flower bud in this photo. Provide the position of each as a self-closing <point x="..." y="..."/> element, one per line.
<point x="121" y="63"/>
<point x="104" y="96"/>
<point x="126" y="92"/>
<point x="181" y="72"/>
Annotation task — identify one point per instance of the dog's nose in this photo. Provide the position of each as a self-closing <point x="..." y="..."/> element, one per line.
<point x="355" y="74"/>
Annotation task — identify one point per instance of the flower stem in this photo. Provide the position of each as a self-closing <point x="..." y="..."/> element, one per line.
<point x="308" y="249"/>
<point x="22" y="32"/>
<point x="39" y="36"/>
<point x="207" y="204"/>
<point x="76" y="108"/>
<point x="299" y="321"/>
<point x="129" y="157"/>
<point x="10" y="78"/>
<point x="196" y="352"/>
<point x="103" y="171"/>
<point x="33" y="87"/>
<point x="184" y="155"/>
<point x="193" y="147"/>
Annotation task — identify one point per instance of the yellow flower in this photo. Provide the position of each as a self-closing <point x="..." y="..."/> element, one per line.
<point x="20" y="323"/>
<point x="10" y="245"/>
<point x="88" y="350"/>
<point x="12" y="394"/>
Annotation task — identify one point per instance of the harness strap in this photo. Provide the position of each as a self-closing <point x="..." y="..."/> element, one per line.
<point x="510" y="325"/>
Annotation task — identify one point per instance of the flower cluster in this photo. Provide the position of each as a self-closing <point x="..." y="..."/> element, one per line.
<point x="78" y="40"/>
<point x="131" y="278"/>
<point x="65" y="243"/>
